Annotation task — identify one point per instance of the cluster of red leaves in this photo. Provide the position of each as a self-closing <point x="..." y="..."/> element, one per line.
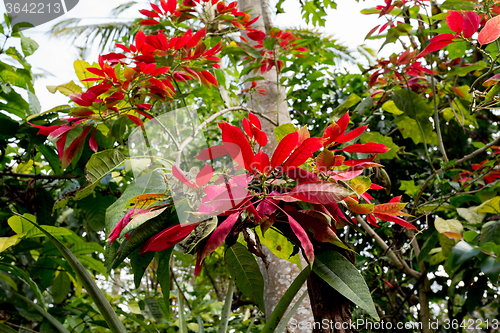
<point x="489" y="178"/>
<point x="128" y="83"/>
<point x="319" y="187"/>
<point x="282" y="44"/>
<point x="254" y="88"/>
<point x="465" y="24"/>
<point x="403" y="70"/>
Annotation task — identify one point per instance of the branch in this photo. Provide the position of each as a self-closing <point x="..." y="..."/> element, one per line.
<point x="400" y="264"/>
<point x="37" y="176"/>
<point x="460" y="161"/>
<point x="212" y="118"/>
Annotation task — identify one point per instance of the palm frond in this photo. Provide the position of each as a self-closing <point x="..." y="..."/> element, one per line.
<point x="102" y="34"/>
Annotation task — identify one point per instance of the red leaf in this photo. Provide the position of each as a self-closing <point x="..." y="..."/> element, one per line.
<point x="303" y="152"/>
<point x="305" y="242"/>
<point x="212" y="153"/>
<point x="351" y="135"/>
<point x="168" y="237"/>
<point x="74" y="147"/>
<point x="333" y="131"/>
<point x="210" y="78"/>
<point x="180" y="176"/>
<point x="197" y="37"/>
<point x="391" y="208"/>
<point x="261" y="162"/>
<point x="372" y="31"/>
<point x="260" y="136"/>
<point x="471" y="23"/>
<point x="148" y="13"/>
<point x="256" y="35"/>
<point x="93" y="142"/>
<point x="395" y="219"/>
<point x="247" y="128"/>
<point x="376" y="187"/>
<point x="455" y="21"/>
<point x="216" y="239"/>
<point x="285" y="147"/>
<point x="437" y="43"/>
<point x="232" y="134"/>
<point x="490" y="32"/>
<point x="370" y="147"/>
<point x="320" y="192"/>
<point x="136" y="121"/>
<point x="325" y="161"/>
<point x="254" y="120"/>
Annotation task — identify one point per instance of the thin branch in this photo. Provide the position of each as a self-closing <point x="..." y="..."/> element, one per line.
<point x="460" y="161"/>
<point x="37" y="176"/>
<point x="400" y="264"/>
<point x="20" y="327"/>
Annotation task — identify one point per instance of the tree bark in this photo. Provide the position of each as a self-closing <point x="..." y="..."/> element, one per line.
<point x="279" y="274"/>
<point x="332" y="311"/>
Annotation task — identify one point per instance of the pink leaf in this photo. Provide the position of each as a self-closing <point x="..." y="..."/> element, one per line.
<point x="395" y="219"/>
<point x="216" y="239"/>
<point x="305" y="242"/>
<point x="490" y="32"/>
<point x="180" y="176"/>
<point x="93" y="142"/>
<point x="455" y="21"/>
<point x="322" y="192"/>
<point x="204" y="175"/>
<point x="212" y="153"/>
<point x="471" y="23"/>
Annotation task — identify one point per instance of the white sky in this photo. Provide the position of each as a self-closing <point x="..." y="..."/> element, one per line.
<point x="56" y="56"/>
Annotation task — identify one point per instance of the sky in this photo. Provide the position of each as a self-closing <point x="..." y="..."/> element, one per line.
<point x="55" y="57"/>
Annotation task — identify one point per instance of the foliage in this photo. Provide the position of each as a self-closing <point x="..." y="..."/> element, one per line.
<point x="428" y="114"/>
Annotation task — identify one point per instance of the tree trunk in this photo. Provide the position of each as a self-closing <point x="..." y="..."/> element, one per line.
<point x="279" y="274"/>
<point x="332" y="311"/>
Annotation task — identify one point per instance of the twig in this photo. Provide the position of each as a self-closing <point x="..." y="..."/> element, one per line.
<point x="37" y="176"/>
<point x="460" y="161"/>
<point x="400" y="264"/>
<point x="180" y="290"/>
<point x="20" y="327"/>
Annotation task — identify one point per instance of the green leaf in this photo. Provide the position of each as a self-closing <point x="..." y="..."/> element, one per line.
<point x="54" y="231"/>
<point x="21" y="225"/>
<point x="23" y="276"/>
<point x="491" y="206"/>
<point x="470" y="215"/>
<point x="281" y="328"/>
<point x="443" y="226"/>
<point x="163" y="275"/>
<point x="154" y="307"/>
<point x="463" y="70"/>
<point x="82" y="72"/>
<point x="285" y="301"/>
<point x="28" y="45"/>
<point x="352" y="100"/>
<point x="8" y="127"/>
<point x="93" y="264"/>
<point x="491" y="268"/>
<point x="409" y="187"/>
<point x="7" y="279"/>
<point x="60" y="286"/>
<point x="226" y="310"/>
<point x="470" y="235"/>
<point x="34" y="103"/>
<point x="490" y="232"/>
<point x="429" y="244"/>
<point x="44" y="313"/>
<point x="386" y="140"/>
<point x="390" y="107"/>
<point x="15" y="104"/>
<point x="139" y="263"/>
<point x="93" y="290"/>
<point x="98" y="166"/>
<point x="246" y="273"/>
<point x="66" y="89"/>
<point x="279" y="245"/>
<point x="6" y="329"/>
<point x="344" y="277"/>
<point x="462" y="252"/>
<point x="409" y="129"/>
<point x="413" y="105"/>
<point x="202" y="231"/>
<point x="283" y="130"/>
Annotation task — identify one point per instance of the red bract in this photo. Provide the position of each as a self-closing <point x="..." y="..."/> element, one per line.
<point x="490" y="32"/>
<point x="168" y="237"/>
<point x="437" y="43"/>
